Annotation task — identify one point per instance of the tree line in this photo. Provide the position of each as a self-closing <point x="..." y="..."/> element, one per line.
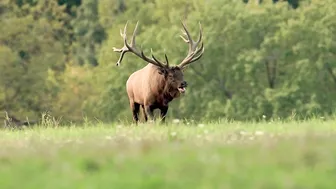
<point x="270" y="59"/>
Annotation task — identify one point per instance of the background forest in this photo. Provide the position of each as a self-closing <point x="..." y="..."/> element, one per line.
<point x="271" y="59"/>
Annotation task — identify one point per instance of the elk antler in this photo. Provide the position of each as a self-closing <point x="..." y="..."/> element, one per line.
<point x="194" y="52"/>
<point x="131" y="48"/>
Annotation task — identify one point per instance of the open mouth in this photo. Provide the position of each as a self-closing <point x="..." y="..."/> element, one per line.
<point x="182" y="89"/>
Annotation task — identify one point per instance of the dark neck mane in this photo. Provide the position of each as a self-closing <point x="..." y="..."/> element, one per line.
<point x="169" y="94"/>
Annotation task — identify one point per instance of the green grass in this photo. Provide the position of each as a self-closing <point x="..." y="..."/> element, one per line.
<point x="235" y="155"/>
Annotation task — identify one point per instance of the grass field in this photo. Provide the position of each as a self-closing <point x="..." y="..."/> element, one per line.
<point x="228" y="155"/>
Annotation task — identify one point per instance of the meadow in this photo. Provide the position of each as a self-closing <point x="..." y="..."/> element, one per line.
<point x="262" y="60"/>
<point x="223" y="154"/>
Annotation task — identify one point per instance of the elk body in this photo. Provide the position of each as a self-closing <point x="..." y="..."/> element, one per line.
<point x="155" y="85"/>
<point x="11" y="121"/>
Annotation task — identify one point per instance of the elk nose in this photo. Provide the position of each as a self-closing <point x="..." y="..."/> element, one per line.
<point x="184" y="84"/>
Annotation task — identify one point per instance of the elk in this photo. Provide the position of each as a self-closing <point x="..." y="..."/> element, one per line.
<point x="12" y="121"/>
<point x="158" y="83"/>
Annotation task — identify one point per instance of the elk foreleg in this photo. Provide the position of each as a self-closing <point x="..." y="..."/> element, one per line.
<point x="135" y="107"/>
<point x="164" y="110"/>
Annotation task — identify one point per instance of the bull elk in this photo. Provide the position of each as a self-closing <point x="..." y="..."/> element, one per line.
<point x="158" y="83"/>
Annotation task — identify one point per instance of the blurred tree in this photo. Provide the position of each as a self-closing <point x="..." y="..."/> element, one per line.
<point x="71" y="5"/>
<point x="88" y="33"/>
<point x="292" y="3"/>
<point x="260" y="59"/>
<point x="31" y="43"/>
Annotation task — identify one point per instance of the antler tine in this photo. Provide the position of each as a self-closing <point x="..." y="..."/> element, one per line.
<point x="121" y="32"/>
<point x="184" y="39"/>
<point x="194" y="53"/>
<point x="167" y="62"/>
<point x="125" y="29"/>
<point x="200" y="33"/>
<point x="156" y="60"/>
<point x="189" y="40"/>
<point x="132" y="48"/>
<point x="191" y="58"/>
<point x="124" y="49"/>
<point x="200" y="52"/>
<point x="152" y="61"/>
<point x="134" y="34"/>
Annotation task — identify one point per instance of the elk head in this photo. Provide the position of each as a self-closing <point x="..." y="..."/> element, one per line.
<point x="173" y="74"/>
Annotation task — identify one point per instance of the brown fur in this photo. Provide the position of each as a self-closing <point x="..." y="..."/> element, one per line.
<point x="156" y="91"/>
<point x="155" y="85"/>
<point x="11" y="121"/>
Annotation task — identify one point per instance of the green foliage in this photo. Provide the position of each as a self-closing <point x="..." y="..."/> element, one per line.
<point x="261" y="59"/>
<point x="30" y="45"/>
<point x="88" y="33"/>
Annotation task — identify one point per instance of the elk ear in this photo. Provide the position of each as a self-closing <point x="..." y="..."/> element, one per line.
<point x="162" y="71"/>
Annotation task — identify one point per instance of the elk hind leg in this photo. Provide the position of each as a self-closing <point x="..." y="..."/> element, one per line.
<point x="144" y="113"/>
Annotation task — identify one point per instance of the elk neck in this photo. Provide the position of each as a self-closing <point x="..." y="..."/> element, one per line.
<point x="165" y="93"/>
<point x="169" y="93"/>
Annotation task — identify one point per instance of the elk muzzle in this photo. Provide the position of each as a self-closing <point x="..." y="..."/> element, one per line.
<point x="182" y="87"/>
